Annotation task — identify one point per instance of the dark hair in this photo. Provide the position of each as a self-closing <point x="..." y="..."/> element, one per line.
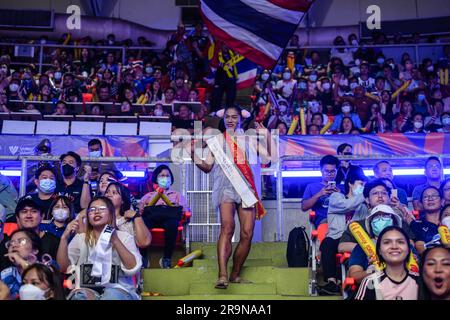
<point x="329" y="159"/>
<point x="354" y="175"/>
<point x="373" y="184"/>
<point x="94" y="142"/>
<point x="387" y="179"/>
<point x="442" y="211"/>
<point x="43" y="168"/>
<point x="380" y="237"/>
<point x="432" y="158"/>
<point x="317" y="113"/>
<point x="341" y="128"/>
<point x="36" y="242"/>
<point x="52" y="277"/>
<point x="424" y="292"/>
<point x="375" y="167"/>
<point x="124" y="194"/>
<point x="27" y="202"/>
<point x="222" y="127"/>
<point x="417" y="113"/>
<point x="72" y="154"/>
<point x="341" y="147"/>
<point x="427" y="188"/>
<point x="158" y="170"/>
<point x="67" y="202"/>
<point x="61" y="102"/>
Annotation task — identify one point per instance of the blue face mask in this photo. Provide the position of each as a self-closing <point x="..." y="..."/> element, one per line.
<point x="95" y="154"/>
<point x="358" y="190"/>
<point x="421" y="97"/>
<point x="164" y="182"/>
<point x="47" y="185"/>
<point x="378" y="224"/>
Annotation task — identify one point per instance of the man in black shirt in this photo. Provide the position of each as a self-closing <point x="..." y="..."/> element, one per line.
<point x="45" y="181"/>
<point x="76" y="190"/>
<point x="29" y="215"/>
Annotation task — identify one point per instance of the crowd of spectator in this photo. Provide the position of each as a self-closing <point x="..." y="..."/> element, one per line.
<point x="65" y="215"/>
<point x="348" y="90"/>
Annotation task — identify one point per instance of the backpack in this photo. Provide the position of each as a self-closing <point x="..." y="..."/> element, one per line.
<point x="298" y="246"/>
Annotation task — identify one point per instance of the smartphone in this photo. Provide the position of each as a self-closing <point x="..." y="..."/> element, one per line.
<point x="394" y="193"/>
<point x="332" y="184"/>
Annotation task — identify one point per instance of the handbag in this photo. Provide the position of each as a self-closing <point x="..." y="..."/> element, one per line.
<point x="88" y="281"/>
<point x="160" y="213"/>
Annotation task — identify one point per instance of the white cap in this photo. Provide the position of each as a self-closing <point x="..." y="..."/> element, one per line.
<point x="382" y="208"/>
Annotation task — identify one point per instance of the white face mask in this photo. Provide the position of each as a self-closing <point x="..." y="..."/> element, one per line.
<point x="265" y="76"/>
<point x="31" y="292"/>
<point x="353" y="85"/>
<point x="354" y="42"/>
<point x="430" y="68"/>
<point x="418" y="124"/>
<point x="357" y="62"/>
<point x="158" y="112"/>
<point x="326" y="86"/>
<point x="446" y="121"/>
<point x="313" y="77"/>
<point x="346" y="109"/>
<point x="287" y="76"/>
<point x="13" y="87"/>
<point x="446" y="222"/>
<point x="283" y="108"/>
<point x="58" y="75"/>
<point x="60" y="214"/>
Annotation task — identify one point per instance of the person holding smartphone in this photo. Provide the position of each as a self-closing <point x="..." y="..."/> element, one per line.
<point x="316" y="195"/>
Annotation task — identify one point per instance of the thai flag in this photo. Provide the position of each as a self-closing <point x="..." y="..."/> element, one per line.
<point x="246" y="74"/>
<point x="257" y="29"/>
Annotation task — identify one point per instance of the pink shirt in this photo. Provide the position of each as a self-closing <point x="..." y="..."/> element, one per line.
<point x="174" y="196"/>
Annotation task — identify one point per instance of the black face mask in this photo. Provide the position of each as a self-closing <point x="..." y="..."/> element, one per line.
<point x="67" y="170"/>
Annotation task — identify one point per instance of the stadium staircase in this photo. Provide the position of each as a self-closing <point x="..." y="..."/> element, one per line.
<point x="266" y="267"/>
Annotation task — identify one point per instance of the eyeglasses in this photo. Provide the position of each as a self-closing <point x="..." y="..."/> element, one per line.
<point x="432" y="166"/>
<point x="101" y="209"/>
<point x="20" y="242"/>
<point x="329" y="172"/>
<point x="431" y="197"/>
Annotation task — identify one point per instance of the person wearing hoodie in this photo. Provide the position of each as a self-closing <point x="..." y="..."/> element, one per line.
<point x="343" y="208"/>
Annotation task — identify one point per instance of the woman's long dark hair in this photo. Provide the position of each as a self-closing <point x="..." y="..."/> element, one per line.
<point x="52" y="277"/>
<point x="124" y="194"/>
<point x="424" y="292"/>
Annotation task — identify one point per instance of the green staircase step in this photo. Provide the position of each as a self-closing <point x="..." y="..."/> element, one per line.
<point x="241" y="297"/>
<point x="207" y="288"/>
<point x="289" y="281"/>
<point x="248" y="263"/>
<point x="259" y="250"/>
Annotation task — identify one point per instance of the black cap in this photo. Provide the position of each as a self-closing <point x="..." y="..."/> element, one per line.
<point x="27" y="201"/>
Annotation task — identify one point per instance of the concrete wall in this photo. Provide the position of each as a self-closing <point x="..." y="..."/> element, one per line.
<point x="164" y="15"/>
<point x="326" y="13"/>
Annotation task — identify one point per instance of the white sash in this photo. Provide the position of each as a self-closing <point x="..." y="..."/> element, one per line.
<point x="101" y="256"/>
<point x="231" y="172"/>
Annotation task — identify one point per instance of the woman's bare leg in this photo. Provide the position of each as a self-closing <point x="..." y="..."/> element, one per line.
<point x="224" y="246"/>
<point x="247" y="223"/>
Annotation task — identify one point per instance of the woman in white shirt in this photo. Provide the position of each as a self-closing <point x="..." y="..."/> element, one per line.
<point x="111" y="254"/>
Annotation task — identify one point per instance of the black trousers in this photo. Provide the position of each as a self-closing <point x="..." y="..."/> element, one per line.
<point x="223" y="84"/>
<point x="328" y="251"/>
<point x="170" y="226"/>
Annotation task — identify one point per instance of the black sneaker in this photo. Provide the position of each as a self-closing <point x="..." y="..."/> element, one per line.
<point x="330" y="289"/>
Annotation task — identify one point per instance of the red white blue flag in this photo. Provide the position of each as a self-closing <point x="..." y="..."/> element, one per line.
<point x="257" y="29"/>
